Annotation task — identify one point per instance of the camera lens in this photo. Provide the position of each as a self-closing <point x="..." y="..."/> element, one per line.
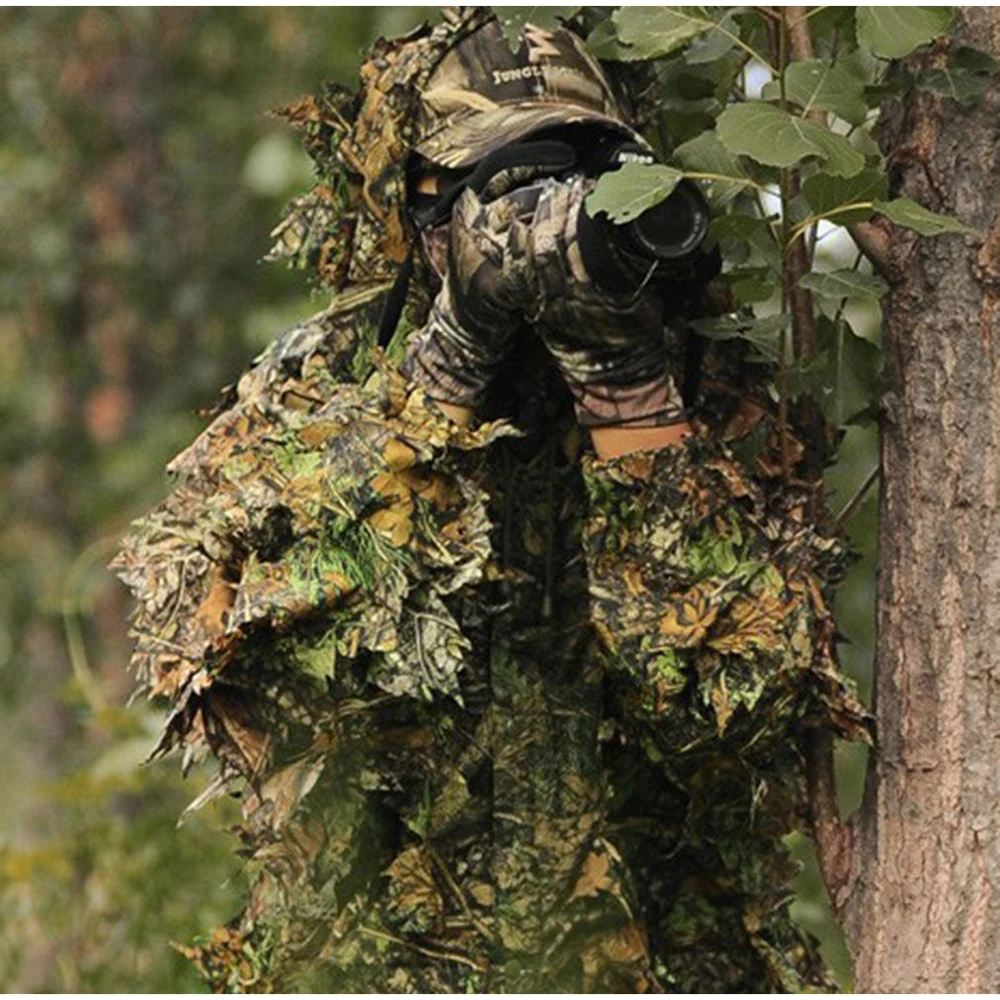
<point x="675" y="227"/>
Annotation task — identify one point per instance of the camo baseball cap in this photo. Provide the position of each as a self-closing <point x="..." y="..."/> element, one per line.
<point x="482" y="95"/>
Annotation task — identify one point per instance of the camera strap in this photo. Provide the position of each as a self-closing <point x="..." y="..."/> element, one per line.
<point x="544" y="156"/>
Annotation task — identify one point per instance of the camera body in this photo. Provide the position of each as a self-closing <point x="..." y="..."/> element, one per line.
<point x="672" y="229"/>
<point x="663" y="245"/>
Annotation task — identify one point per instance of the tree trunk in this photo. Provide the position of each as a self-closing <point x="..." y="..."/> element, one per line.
<point x="924" y="915"/>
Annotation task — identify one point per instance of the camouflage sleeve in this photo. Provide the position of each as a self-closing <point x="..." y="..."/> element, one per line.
<point x="712" y="605"/>
<point x="475" y="314"/>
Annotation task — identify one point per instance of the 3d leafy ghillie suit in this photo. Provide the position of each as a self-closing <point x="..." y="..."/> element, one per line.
<point x="501" y="716"/>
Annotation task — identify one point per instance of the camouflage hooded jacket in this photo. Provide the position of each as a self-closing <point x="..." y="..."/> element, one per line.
<point x="500" y="716"/>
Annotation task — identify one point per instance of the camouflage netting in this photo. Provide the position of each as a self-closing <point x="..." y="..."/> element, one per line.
<point x="500" y="716"/>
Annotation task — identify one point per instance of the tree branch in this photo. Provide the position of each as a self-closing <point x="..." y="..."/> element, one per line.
<point x="834" y="839"/>
<point x="797" y="262"/>
<point x="873" y="240"/>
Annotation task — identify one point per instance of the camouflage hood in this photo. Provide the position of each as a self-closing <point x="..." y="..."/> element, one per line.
<point x="483" y="94"/>
<point x="352" y="226"/>
<point x="452" y="93"/>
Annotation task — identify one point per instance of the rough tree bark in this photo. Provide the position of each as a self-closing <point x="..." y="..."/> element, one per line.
<point x="921" y="904"/>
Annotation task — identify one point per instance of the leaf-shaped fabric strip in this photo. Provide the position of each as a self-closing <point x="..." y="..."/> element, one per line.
<point x="779" y="139"/>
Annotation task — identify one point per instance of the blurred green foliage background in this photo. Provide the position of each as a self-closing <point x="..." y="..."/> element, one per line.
<point x="139" y="178"/>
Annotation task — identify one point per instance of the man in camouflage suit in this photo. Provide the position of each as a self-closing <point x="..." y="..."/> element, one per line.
<point x="503" y="714"/>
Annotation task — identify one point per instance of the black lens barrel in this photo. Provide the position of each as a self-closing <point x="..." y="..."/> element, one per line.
<point x="673" y="229"/>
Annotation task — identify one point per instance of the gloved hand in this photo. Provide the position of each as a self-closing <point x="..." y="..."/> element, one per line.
<point x="517" y="259"/>
<point x="474" y="316"/>
<point x="612" y="347"/>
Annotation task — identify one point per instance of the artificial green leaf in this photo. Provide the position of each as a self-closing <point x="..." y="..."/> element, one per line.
<point x="906" y="212"/>
<point x="705" y="154"/>
<point x="776" y="138"/>
<point x="627" y="192"/>
<point x="893" y="32"/>
<point x="816" y="85"/>
<point x="652" y="32"/>
<point x="843" y="284"/>
<point x="826" y="193"/>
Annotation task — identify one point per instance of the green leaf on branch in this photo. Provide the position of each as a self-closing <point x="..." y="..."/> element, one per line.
<point x="603" y="43"/>
<point x="705" y="154"/>
<point x="718" y="40"/>
<point x="653" y="32"/>
<point x="627" y="192"/>
<point x="749" y="231"/>
<point x="966" y="88"/>
<point x="842" y="159"/>
<point x="751" y="285"/>
<point x="964" y="79"/>
<point x="906" y="212"/>
<point x="764" y="333"/>
<point x="776" y="138"/>
<point x="969" y="59"/>
<point x="844" y="284"/>
<point x="893" y="32"/>
<point x="844" y="376"/>
<point x="833" y="23"/>
<point x="826" y="193"/>
<point x="815" y="85"/>
<point x="513" y="19"/>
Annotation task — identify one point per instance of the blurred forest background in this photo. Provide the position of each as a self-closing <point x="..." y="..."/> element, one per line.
<point x="140" y="176"/>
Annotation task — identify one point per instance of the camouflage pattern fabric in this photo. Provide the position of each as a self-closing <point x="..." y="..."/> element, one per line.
<point x="500" y="717"/>
<point x="515" y="261"/>
<point x="453" y="774"/>
<point x="352" y="227"/>
<point x="482" y="95"/>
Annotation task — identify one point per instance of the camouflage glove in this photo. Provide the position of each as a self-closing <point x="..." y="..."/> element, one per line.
<point x="473" y="317"/>
<point x="611" y="346"/>
<point x="517" y="259"/>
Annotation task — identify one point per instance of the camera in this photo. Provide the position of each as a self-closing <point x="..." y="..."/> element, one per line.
<point x="664" y="244"/>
